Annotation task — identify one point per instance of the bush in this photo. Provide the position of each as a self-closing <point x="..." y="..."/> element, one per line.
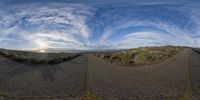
<point x="141" y="56"/>
<point x="5" y="53"/>
<point x="35" y="60"/>
<point x="11" y="56"/>
<point x="65" y="58"/>
<point x="43" y="61"/>
<point x="20" y="58"/>
<point x="54" y="61"/>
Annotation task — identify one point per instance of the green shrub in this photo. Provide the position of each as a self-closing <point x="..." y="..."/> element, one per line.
<point x="11" y="56"/>
<point x="143" y="55"/>
<point x="35" y="60"/>
<point x="43" y="61"/>
<point x="20" y="58"/>
<point x="5" y="53"/>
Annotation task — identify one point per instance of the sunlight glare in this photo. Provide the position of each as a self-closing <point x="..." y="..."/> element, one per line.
<point x="42" y="51"/>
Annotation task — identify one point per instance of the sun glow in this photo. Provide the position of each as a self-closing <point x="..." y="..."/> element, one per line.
<point x="42" y="51"/>
<point x="42" y="45"/>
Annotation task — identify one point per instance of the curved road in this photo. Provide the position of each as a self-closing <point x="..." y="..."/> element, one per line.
<point x="175" y="78"/>
<point x="160" y="81"/>
<point x="65" y="79"/>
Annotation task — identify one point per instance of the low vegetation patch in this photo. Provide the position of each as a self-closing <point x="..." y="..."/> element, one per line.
<point x="35" y="58"/>
<point x="197" y="50"/>
<point x="140" y="56"/>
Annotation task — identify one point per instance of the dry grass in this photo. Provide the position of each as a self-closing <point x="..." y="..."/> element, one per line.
<point x="89" y="95"/>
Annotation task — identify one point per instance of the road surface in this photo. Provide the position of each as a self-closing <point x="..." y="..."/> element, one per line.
<point x="175" y="78"/>
<point x="57" y="80"/>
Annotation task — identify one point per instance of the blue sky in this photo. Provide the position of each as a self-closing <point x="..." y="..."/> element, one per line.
<point x="98" y="25"/>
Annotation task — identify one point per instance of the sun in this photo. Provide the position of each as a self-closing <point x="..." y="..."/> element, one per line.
<point x="42" y="45"/>
<point x="42" y="51"/>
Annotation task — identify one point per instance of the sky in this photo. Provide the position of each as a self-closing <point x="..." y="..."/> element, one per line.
<point x="98" y="24"/>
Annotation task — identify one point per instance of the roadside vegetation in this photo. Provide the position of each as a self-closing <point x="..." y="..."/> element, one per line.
<point x="140" y="56"/>
<point x="197" y="50"/>
<point x="35" y="58"/>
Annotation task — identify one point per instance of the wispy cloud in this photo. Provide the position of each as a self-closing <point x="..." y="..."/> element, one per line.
<point x="168" y="27"/>
<point x="82" y="26"/>
<point x="154" y="38"/>
<point x="38" y="24"/>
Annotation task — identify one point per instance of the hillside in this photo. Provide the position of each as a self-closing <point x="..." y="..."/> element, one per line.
<point x="140" y="56"/>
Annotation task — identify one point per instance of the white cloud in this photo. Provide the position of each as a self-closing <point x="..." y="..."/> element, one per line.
<point x="44" y="25"/>
<point x="55" y="25"/>
<point x="53" y="40"/>
<point x="153" y="38"/>
<point x="174" y="32"/>
<point x="187" y="15"/>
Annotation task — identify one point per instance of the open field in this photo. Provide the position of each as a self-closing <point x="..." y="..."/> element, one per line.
<point x="89" y="77"/>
